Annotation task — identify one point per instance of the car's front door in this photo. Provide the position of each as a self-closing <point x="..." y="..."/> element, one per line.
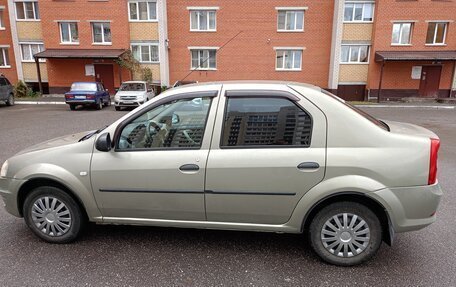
<point x="268" y="150"/>
<point x="157" y="168"/>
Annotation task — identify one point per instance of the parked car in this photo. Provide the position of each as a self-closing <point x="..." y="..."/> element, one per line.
<point x="254" y="156"/>
<point x="6" y="91"/>
<point x="87" y="94"/>
<point x="133" y="94"/>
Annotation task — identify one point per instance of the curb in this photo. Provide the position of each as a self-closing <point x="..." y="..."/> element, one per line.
<point x="41" y="103"/>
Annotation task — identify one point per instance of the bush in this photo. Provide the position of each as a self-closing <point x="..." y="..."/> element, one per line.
<point x="147" y="75"/>
<point x="21" y="90"/>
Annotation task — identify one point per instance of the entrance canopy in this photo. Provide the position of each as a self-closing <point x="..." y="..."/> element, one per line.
<point x="80" y="54"/>
<point x="382" y="56"/>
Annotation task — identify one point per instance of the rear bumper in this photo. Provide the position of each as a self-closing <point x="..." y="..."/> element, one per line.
<point x="8" y="191"/>
<point x="410" y="208"/>
<point x="81" y="102"/>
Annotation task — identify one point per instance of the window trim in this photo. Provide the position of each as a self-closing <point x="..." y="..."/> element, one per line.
<point x="262" y="94"/>
<point x="359" y="54"/>
<point x="208" y="20"/>
<point x="147" y="44"/>
<point x="290" y="10"/>
<point x="137" y="11"/>
<point x="277" y="49"/>
<point x="103" y="43"/>
<point x="412" y="26"/>
<point x="201" y="94"/>
<point x="34" y="19"/>
<point x="4" y="50"/>
<point x="435" y="33"/>
<point x="353" y="14"/>
<point x="31" y="53"/>
<point x="203" y="48"/>
<point x="2" y="18"/>
<point x="69" y="32"/>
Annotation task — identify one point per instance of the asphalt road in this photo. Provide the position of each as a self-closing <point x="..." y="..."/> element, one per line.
<point x="148" y="256"/>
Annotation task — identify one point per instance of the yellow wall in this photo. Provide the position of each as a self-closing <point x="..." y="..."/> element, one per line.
<point x="137" y="76"/>
<point x="29" y="30"/>
<point x="357" y="32"/>
<point x="30" y="74"/>
<point x="143" y="31"/>
<point x="353" y="73"/>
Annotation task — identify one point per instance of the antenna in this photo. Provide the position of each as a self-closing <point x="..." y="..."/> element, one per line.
<point x="199" y="65"/>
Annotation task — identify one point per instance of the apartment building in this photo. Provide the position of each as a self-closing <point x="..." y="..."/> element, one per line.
<point x="358" y="49"/>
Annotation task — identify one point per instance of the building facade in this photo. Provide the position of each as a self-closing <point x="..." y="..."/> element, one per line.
<point x="358" y="49"/>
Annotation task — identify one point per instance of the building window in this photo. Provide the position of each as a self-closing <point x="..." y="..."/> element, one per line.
<point x="101" y="33"/>
<point x="358" y="12"/>
<point x="288" y="60"/>
<point x="265" y="122"/>
<point x="290" y="20"/>
<point x="402" y="33"/>
<point x="30" y="49"/>
<point x="2" y="24"/>
<point x="142" y="11"/>
<point x="436" y="33"/>
<point x="4" y="58"/>
<point x="69" y="33"/>
<point x="27" y="10"/>
<point x="145" y="53"/>
<point x="204" y="59"/>
<point x="355" y="54"/>
<point x="203" y="20"/>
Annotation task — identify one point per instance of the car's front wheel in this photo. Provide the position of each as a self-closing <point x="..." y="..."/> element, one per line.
<point x="10" y="100"/>
<point x="118" y="108"/>
<point x="345" y="233"/>
<point x="53" y="215"/>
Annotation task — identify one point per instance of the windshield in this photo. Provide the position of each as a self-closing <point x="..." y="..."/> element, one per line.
<point x="131" y="87"/>
<point x="84" y="87"/>
<point x="359" y="111"/>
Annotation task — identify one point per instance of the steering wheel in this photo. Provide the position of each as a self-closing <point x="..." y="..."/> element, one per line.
<point x="152" y="126"/>
<point x="188" y="137"/>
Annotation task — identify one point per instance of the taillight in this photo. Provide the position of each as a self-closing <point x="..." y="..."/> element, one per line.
<point x="69" y="96"/>
<point x="435" y="145"/>
<point x="90" y="97"/>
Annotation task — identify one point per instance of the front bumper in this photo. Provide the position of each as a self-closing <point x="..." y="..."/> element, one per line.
<point x="410" y="208"/>
<point x="121" y="103"/>
<point x="9" y="188"/>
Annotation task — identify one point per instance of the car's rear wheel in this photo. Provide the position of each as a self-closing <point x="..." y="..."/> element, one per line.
<point x="53" y="215"/>
<point x="10" y="100"/>
<point x="108" y="102"/>
<point x="99" y="104"/>
<point x="72" y="107"/>
<point x="345" y="233"/>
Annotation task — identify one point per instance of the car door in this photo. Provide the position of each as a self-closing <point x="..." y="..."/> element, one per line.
<point x="157" y="168"/>
<point x="3" y="89"/>
<point x="268" y="150"/>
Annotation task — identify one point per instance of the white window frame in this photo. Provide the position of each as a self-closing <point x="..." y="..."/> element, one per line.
<point x="137" y="11"/>
<point x="358" y="62"/>
<point x="140" y="45"/>
<point x="290" y="49"/>
<point x="71" y="42"/>
<point x="198" y="29"/>
<point x="32" y="60"/>
<point x="34" y="5"/>
<point x="103" y="23"/>
<point x="362" y="17"/>
<point x="3" y="51"/>
<point x="191" y="49"/>
<point x="2" y="18"/>
<point x="412" y="24"/>
<point x="435" y="33"/>
<point x="289" y="10"/>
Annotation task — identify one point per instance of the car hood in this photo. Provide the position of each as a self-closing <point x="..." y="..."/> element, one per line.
<point x="410" y="129"/>
<point x="56" y="142"/>
<point x="130" y="93"/>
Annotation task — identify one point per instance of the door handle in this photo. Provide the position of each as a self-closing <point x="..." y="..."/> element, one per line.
<point x="308" y="165"/>
<point x="189" y="167"/>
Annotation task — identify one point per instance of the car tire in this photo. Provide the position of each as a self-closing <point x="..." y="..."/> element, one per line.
<point x="118" y="108"/>
<point x="99" y="104"/>
<point x="354" y="239"/>
<point x="10" y="100"/>
<point x="72" y="107"/>
<point x="53" y="215"/>
<point x="108" y="102"/>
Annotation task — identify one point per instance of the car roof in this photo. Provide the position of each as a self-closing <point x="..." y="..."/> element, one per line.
<point x="134" y="82"/>
<point x="86" y="82"/>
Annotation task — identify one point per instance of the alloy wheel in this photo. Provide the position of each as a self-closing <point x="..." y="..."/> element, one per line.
<point x="51" y="216"/>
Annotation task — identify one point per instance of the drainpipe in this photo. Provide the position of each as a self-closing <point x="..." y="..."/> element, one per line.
<point x="380" y="82"/>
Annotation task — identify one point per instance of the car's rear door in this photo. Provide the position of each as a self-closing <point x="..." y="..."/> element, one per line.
<point x="159" y="175"/>
<point x="267" y="151"/>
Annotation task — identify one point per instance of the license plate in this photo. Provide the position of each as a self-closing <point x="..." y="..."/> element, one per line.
<point x="80" y="97"/>
<point x="128" y="102"/>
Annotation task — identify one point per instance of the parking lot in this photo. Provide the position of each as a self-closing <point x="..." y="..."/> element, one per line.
<point x="149" y="256"/>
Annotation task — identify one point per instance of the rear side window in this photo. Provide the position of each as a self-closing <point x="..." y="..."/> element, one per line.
<point x="265" y="122"/>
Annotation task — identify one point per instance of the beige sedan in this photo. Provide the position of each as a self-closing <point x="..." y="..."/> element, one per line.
<point x="254" y="156"/>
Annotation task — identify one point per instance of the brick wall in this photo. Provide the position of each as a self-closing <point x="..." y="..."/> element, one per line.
<point x="251" y="54"/>
<point x="6" y="40"/>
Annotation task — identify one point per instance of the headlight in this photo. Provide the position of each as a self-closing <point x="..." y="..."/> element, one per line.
<point x="4" y="169"/>
<point x="116" y="97"/>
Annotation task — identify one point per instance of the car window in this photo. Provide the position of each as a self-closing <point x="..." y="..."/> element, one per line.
<point x="265" y="122"/>
<point x="177" y="124"/>
<point x="84" y="87"/>
<point x="132" y="87"/>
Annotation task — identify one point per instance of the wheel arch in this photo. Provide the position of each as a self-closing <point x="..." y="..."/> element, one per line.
<point x="358" y="197"/>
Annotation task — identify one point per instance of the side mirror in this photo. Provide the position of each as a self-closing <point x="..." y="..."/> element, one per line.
<point x="175" y="119"/>
<point x="103" y="142"/>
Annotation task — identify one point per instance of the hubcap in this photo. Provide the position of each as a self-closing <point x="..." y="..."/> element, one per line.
<point x="51" y="216"/>
<point x="345" y="235"/>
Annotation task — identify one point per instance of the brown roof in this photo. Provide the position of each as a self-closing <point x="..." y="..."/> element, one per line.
<point x="415" y="56"/>
<point x="81" y="53"/>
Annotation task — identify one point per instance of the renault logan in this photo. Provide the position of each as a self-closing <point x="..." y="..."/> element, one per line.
<point x="255" y="156"/>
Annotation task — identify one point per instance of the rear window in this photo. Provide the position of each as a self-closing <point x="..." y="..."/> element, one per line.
<point x="359" y="111"/>
<point x="84" y="87"/>
<point x="132" y="87"/>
